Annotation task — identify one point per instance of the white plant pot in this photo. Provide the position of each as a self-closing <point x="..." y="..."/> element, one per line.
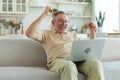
<point x="100" y="33"/>
<point x="99" y="30"/>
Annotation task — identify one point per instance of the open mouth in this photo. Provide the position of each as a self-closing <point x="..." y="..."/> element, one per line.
<point x="63" y="27"/>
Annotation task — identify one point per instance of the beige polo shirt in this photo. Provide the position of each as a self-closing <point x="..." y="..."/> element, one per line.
<point x="55" y="44"/>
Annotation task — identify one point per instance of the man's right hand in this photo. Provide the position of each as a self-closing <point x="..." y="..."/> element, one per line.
<point x="48" y="10"/>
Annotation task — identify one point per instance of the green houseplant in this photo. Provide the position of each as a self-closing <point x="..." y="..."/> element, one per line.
<point x="100" y="19"/>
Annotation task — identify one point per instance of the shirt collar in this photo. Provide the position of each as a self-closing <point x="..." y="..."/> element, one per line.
<point x="54" y="31"/>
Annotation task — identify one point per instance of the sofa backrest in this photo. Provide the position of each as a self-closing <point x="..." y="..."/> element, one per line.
<point x="21" y="52"/>
<point x="28" y="52"/>
<point x="111" y="50"/>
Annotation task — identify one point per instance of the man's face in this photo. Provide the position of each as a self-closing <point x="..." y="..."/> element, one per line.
<point x="61" y="23"/>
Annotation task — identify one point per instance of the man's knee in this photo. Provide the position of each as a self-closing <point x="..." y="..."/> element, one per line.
<point x="70" y="66"/>
<point x="95" y="63"/>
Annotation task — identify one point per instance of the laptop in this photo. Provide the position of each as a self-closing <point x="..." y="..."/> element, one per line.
<point x="87" y="49"/>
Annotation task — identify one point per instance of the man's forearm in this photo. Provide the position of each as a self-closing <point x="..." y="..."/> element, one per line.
<point x="92" y="35"/>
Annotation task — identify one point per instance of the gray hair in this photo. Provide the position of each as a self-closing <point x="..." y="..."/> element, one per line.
<point x="58" y="12"/>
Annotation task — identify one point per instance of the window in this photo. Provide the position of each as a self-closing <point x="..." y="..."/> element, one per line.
<point x="112" y="14"/>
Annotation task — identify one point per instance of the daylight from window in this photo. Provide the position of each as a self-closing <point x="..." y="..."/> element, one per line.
<point x="111" y="9"/>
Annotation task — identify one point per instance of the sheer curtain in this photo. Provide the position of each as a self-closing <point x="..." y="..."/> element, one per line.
<point x="111" y="9"/>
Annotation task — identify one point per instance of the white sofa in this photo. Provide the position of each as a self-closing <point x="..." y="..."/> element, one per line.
<point x="25" y="59"/>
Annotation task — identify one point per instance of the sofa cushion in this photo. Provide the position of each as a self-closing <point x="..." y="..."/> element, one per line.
<point x="26" y="73"/>
<point x="29" y="73"/>
<point x="112" y="70"/>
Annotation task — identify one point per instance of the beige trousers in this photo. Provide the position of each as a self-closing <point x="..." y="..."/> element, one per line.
<point x="68" y="70"/>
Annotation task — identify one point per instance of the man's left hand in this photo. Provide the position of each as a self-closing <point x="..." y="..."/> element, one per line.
<point x="92" y="26"/>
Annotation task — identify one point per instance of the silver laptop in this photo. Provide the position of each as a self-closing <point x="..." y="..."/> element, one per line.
<point x="87" y="49"/>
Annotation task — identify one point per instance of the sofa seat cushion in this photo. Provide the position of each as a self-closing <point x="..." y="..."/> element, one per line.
<point x="112" y="70"/>
<point x="29" y="73"/>
<point x="26" y="73"/>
